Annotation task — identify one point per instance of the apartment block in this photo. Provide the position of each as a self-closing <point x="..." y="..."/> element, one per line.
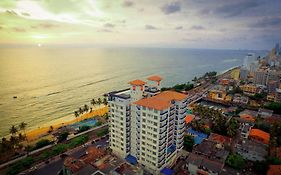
<point x="147" y="126"/>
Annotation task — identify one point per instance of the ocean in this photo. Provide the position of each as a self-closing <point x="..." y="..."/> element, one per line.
<point x="51" y="83"/>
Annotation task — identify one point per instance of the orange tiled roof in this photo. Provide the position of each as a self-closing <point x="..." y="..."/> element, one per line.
<point x="260" y="134"/>
<point x="162" y="100"/>
<point x="155" y="78"/>
<point x="274" y="170"/>
<point x="219" y="138"/>
<point x="189" y="118"/>
<point x="247" y="117"/>
<point x="137" y="82"/>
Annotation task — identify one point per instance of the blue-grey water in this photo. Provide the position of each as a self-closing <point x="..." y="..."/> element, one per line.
<point x="53" y="82"/>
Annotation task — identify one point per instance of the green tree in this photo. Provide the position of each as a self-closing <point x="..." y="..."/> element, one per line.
<point x="188" y="142"/>
<point x="235" y="161"/>
<point x="13" y="130"/>
<point x="63" y="136"/>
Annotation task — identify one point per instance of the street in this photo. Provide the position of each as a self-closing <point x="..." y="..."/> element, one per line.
<point x="56" y="164"/>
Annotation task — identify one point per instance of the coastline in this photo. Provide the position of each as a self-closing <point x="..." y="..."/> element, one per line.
<point x="34" y="134"/>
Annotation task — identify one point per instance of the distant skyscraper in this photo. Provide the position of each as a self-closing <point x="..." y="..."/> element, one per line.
<point x="147" y="126"/>
<point x="260" y="77"/>
<point x="244" y="73"/>
<point x="277" y="49"/>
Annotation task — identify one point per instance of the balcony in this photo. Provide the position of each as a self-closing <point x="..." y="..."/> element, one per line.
<point x="164" y="113"/>
<point x="162" y="125"/>
<point x="138" y="107"/>
<point x="163" y="118"/>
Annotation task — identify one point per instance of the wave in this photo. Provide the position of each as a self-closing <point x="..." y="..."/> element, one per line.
<point x="230" y="60"/>
<point x="53" y="93"/>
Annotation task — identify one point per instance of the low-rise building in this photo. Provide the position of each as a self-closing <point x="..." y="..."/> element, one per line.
<point x="207" y="158"/>
<point x="245" y="130"/>
<point x="259" y="135"/>
<point x="250" y="89"/>
<point x="265" y="113"/>
<point x="240" y="99"/>
<point x="220" y="139"/>
<point x="252" y="150"/>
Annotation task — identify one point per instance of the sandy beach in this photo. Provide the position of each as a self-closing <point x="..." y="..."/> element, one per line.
<point x="67" y="120"/>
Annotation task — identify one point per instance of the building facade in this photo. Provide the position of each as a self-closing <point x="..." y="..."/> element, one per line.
<point x="147" y="126"/>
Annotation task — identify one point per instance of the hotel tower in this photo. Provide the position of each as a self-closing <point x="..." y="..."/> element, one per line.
<point x="147" y="126"/>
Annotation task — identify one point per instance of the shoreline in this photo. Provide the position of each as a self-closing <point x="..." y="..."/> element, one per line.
<point x="36" y="133"/>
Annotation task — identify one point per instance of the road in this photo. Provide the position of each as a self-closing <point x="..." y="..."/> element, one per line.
<point x="56" y="164"/>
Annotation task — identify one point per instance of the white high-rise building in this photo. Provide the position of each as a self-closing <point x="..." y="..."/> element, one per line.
<point x="147" y="126"/>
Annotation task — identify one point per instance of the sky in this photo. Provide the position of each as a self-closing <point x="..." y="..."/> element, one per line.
<point x="214" y="24"/>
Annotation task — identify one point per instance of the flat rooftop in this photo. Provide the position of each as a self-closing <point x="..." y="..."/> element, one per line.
<point x="124" y="94"/>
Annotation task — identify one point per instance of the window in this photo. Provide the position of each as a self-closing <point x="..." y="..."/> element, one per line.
<point x="143" y="126"/>
<point x="143" y="120"/>
<point x="144" y="114"/>
<point x="155" y="123"/>
<point x="121" y="107"/>
<point x="154" y="129"/>
<point x="121" y="113"/>
<point x="155" y="111"/>
<point x="155" y="117"/>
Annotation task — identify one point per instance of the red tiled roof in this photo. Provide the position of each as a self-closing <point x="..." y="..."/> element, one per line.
<point x="162" y="100"/>
<point x="274" y="170"/>
<point x="137" y="82"/>
<point x="257" y="133"/>
<point x="247" y="117"/>
<point x="155" y="78"/>
<point x="189" y="118"/>
<point x="219" y="138"/>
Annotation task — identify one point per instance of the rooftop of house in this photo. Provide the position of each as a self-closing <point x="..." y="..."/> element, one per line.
<point x="155" y="78"/>
<point x="260" y="134"/>
<point x="219" y="138"/>
<point x="247" y="117"/>
<point x="73" y="164"/>
<point x="137" y="82"/>
<point x="252" y="146"/>
<point x="265" y="112"/>
<point x="200" y="161"/>
<point x="274" y="169"/>
<point x="211" y="150"/>
<point x="249" y="112"/>
<point x="93" y="155"/>
<point x="189" y="118"/>
<point x="162" y="100"/>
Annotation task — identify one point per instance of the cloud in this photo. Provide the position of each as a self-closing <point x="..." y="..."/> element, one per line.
<point x="236" y="9"/>
<point x="128" y="4"/>
<point x="105" y="30"/>
<point x="45" y="26"/>
<point x="150" y="27"/>
<point x="197" y="27"/>
<point x="268" y="22"/>
<point x="109" y="25"/>
<point x="18" y="29"/>
<point x="25" y="14"/>
<point x="178" y="28"/>
<point x="170" y="8"/>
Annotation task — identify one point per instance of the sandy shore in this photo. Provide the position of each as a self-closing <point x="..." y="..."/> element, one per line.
<point x="67" y="120"/>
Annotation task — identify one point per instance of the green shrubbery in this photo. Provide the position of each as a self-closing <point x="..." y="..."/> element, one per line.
<point x="235" y="161"/>
<point x="42" y="143"/>
<point x="20" y="166"/>
<point x="102" y="132"/>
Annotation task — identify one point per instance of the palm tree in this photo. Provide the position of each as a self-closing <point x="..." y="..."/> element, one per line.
<point x="14" y="141"/>
<point x="99" y="101"/>
<point x="93" y="102"/>
<point x="13" y="130"/>
<point x="81" y="111"/>
<point x="21" y="137"/>
<point x="76" y="114"/>
<point x="105" y="101"/>
<point x="22" y="127"/>
<point x="86" y="108"/>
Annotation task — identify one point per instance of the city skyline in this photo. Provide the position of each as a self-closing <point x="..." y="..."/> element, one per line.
<point x="190" y="24"/>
